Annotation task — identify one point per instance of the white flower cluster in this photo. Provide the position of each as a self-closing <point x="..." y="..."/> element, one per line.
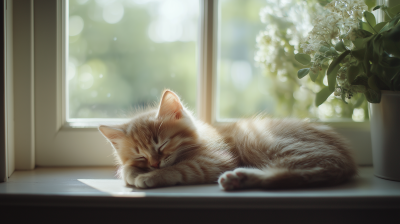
<point x="340" y="22"/>
<point x="287" y="22"/>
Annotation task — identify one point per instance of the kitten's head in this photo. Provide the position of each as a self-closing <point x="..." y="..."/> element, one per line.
<point x="154" y="138"/>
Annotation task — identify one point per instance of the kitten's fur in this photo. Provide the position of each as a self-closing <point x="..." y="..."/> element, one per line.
<point x="166" y="146"/>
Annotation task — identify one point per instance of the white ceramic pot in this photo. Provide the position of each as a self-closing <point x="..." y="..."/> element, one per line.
<point x="385" y="135"/>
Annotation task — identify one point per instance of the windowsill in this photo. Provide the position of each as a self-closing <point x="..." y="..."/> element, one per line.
<point x="59" y="186"/>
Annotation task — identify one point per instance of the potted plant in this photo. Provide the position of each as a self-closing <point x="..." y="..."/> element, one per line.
<point x="363" y="57"/>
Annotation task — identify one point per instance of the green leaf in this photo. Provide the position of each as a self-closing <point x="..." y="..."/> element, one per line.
<point x="370" y="18"/>
<point x="379" y="26"/>
<point x="332" y="78"/>
<point x="352" y="73"/>
<point x="368" y="55"/>
<point x="391" y="42"/>
<point x="340" y="46"/>
<point x="324" y="49"/>
<point x="386" y="70"/>
<point x="323" y="2"/>
<point x="313" y="76"/>
<point x="361" y="80"/>
<point x="360" y="42"/>
<point x="377" y="44"/>
<point x="394" y="21"/>
<point x="373" y="96"/>
<point x="370" y="3"/>
<point x="359" y="88"/>
<point x="363" y="33"/>
<point x="359" y="54"/>
<point x="331" y="52"/>
<point x="391" y="24"/>
<point x="365" y="26"/>
<point x="394" y="10"/>
<point x="303" y="72"/>
<point x="336" y="61"/>
<point x="372" y="83"/>
<point x="376" y="7"/>
<point x="376" y="68"/>
<point x="322" y="96"/>
<point x="304" y="59"/>
<point x="385" y="28"/>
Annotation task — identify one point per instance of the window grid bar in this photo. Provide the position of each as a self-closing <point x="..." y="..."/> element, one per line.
<point x="207" y="61"/>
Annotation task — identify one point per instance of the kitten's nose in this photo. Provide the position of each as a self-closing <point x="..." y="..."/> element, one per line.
<point x="156" y="164"/>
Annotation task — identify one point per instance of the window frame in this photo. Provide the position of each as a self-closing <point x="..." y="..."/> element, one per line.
<point x="58" y="143"/>
<point x="3" y="89"/>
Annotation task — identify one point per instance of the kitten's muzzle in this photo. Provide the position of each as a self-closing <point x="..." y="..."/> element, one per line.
<point x="156" y="164"/>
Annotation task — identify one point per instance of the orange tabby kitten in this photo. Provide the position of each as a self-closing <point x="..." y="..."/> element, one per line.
<point x="167" y="146"/>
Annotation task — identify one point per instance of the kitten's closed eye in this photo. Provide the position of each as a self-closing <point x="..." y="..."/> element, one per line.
<point x="142" y="158"/>
<point x="162" y="146"/>
<point x="168" y="157"/>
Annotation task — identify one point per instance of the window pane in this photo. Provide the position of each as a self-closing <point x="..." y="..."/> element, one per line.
<point x="256" y="67"/>
<point x="123" y="53"/>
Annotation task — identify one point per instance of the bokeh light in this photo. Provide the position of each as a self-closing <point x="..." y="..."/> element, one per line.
<point x="113" y="12"/>
<point x="123" y="53"/>
<point x="76" y="25"/>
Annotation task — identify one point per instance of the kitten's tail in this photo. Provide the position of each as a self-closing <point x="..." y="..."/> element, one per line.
<point x="280" y="178"/>
<point x="295" y="178"/>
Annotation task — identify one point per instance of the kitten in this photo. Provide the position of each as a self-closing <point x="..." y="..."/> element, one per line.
<point x="167" y="146"/>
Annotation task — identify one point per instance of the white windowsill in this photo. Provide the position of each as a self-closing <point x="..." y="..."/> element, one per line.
<point x="98" y="187"/>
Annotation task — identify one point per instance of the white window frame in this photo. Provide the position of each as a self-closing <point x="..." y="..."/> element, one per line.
<point x="57" y="143"/>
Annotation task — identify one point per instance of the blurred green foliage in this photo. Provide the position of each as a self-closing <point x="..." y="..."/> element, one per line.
<point x="243" y="88"/>
<point x="115" y="68"/>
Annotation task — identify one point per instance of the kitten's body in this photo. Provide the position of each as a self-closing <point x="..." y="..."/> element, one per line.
<point x="166" y="146"/>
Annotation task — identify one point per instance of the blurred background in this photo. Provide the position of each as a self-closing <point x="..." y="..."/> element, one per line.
<point x="123" y="53"/>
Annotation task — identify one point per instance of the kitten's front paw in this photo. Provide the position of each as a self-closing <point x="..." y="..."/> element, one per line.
<point x="129" y="174"/>
<point x="239" y="178"/>
<point x="147" y="180"/>
<point x="130" y="180"/>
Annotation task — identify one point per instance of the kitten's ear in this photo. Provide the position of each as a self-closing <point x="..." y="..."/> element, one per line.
<point x="170" y="104"/>
<point x="113" y="134"/>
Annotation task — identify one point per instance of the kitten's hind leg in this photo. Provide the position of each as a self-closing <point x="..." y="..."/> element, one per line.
<point x="270" y="178"/>
<point x="241" y="178"/>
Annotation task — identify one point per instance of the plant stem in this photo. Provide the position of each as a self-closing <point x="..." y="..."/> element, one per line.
<point x="385" y="10"/>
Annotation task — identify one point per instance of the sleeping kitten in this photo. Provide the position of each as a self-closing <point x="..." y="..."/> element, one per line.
<point x="167" y="146"/>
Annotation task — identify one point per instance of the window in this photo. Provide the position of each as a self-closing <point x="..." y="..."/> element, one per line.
<point x="62" y="141"/>
<point x="122" y="54"/>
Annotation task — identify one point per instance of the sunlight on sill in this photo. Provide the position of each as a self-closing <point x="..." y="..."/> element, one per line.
<point x="113" y="187"/>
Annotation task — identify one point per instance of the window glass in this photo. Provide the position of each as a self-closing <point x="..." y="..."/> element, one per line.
<point x="123" y="53"/>
<point x="257" y="71"/>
